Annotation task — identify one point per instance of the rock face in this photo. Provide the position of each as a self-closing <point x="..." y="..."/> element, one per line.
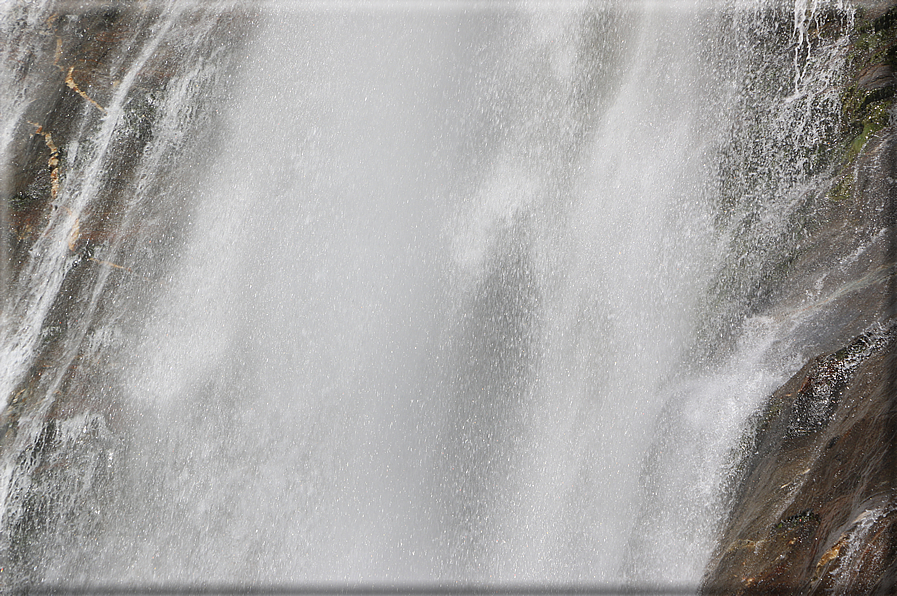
<point x="814" y="507"/>
<point x="99" y="88"/>
<point x="815" y="513"/>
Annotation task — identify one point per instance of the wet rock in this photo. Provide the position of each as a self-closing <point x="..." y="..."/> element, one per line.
<point x="69" y="62"/>
<point x="815" y="509"/>
<point x="878" y="76"/>
<point x="815" y="512"/>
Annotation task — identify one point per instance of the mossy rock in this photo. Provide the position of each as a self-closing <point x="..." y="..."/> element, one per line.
<point x="804" y="519"/>
<point x="869" y="97"/>
<point x="22" y="201"/>
<point x="842" y="190"/>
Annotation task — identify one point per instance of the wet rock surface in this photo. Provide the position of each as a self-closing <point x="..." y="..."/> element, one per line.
<point x="815" y="512"/>
<point x="815" y="507"/>
<point x="90" y="88"/>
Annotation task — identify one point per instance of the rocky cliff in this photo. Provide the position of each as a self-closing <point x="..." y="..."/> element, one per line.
<point x="103" y="94"/>
<point x="814" y="506"/>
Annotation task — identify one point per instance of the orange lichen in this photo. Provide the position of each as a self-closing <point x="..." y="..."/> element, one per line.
<point x="53" y="162"/>
<point x="58" y="53"/>
<point x="828" y="556"/>
<point x="111" y="264"/>
<point x="71" y="84"/>
<point x="74" y="234"/>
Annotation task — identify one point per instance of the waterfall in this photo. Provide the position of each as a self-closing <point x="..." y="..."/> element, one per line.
<point x="463" y="293"/>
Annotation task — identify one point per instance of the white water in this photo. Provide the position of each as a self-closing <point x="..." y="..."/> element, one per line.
<point x="439" y="310"/>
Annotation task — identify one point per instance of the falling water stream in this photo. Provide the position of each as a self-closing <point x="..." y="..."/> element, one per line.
<point x="456" y="292"/>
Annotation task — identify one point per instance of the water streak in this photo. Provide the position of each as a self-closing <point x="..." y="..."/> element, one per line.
<point x="465" y="295"/>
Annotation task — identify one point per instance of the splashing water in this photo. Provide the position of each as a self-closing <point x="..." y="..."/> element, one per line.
<point x="466" y="294"/>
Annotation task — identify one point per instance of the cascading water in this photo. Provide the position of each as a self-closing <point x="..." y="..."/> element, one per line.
<point x="465" y="294"/>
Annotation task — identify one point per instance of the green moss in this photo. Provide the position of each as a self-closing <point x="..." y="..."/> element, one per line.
<point x="843" y="188"/>
<point x="868" y="47"/>
<point x="804" y="518"/>
<point x="875" y="119"/>
<point x="21" y="201"/>
<point x="857" y="102"/>
<point x="866" y="111"/>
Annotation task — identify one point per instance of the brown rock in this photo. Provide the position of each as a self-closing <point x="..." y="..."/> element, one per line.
<point x="816" y="512"/>
<point x="878" y="76"/>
